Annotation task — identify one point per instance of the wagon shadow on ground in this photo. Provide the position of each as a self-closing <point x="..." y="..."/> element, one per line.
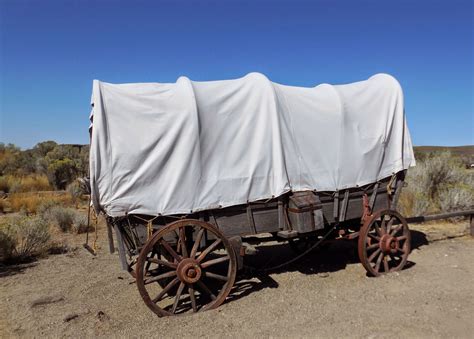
<point x="331" y="256"/>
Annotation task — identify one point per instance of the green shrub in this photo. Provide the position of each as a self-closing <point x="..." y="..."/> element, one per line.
<point x="61" y="217"/>
<point x="45" y="205"/>
<point x="456" y="197"/>
<point x="23" y="237"/>
<point x="8" y="182"/>
<point x="80" y="224"/>
<point x="414" y="202"/>
<point x="438" y="183"/>
<point x="7" y="243"/>
<point x="4" y="187"/>
<point x="61" y="173"/>
<point x="76" y="191"/>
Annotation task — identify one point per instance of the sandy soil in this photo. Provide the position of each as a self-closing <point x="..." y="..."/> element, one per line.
<point x="326" y="295"/>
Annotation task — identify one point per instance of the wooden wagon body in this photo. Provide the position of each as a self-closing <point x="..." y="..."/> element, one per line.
<point x="361" y="212"/>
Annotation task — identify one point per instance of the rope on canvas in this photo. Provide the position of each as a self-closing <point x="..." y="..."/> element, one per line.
<point x="390" y="187"/>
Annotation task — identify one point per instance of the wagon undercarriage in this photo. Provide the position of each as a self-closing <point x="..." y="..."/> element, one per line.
<point x="190" y="262"/>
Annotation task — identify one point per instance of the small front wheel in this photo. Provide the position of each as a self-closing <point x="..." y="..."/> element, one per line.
<point x="384" y="243"/>
<point x="189" y="265"/>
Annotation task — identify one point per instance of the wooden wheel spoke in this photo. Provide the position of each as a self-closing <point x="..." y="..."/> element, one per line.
<point x="192" y="296"/>
<point x="385" y="263"/>
<point x="196" y="243"/>
<point x="389" y="225"/>
<point x="161" y="262"/>
<point x="178" y="297"/>
<point x="373" y="246"/>
<point x="403" y="237"/>
<point x="373" y="236"/>
<point x="216" y="276"/>
<point x="401" y="250"/>
<point x="159" y="277"/>
<point x="170" y="250"/>
<point x="209" y="249"/>
<point x="396" y="229"/>
<point x="373" y="255"/>
<point x="379" y="261"/>
<point x="382" y="226"/>
<point x="147" y="266"/>
<point x="165" y="290"/>
<point x="182" y="238"/>
<point x="206" y="289"/>
<point x="215" y="261"/>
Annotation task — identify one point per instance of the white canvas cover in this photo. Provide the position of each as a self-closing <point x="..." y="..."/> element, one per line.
<point x="171" y="148"/>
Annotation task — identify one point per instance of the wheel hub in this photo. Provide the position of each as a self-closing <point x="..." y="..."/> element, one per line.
<point x="189" y="271"/>
<point x="388" y="244"/>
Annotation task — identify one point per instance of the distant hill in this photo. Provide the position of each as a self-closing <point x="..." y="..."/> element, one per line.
<point x="467" y="150"/>
<point x="466" y="153"/>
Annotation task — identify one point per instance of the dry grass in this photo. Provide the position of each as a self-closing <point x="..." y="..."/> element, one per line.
<point x="33" y="202"/>
<point x="29" y="183"/>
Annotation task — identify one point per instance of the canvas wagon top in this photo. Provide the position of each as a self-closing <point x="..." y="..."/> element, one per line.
<point x="177" y="148"/>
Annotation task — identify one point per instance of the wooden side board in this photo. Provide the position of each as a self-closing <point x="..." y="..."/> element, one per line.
<point x="272" y="215"/>
<point x="345" y="205"/>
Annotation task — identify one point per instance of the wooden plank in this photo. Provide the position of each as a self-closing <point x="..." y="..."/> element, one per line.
<point x="336" y="206"/>
<point x="251" y="220"/>
<point x="345" y="201"/>
<point x="373" y="196"/>
<point x="110" y="238"/>
<point x="281" y="216"/>
<point x="396" y="196"/>
<point x="266" y="221"/>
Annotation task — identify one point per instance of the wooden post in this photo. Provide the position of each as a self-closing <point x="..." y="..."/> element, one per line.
<point x="110" y="238"/>
<point x="121" y="248"/>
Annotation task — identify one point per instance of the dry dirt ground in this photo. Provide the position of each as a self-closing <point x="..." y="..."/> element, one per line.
<point x="326" y="295"/>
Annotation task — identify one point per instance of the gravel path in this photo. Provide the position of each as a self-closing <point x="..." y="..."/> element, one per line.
<point x="327" y="295"/>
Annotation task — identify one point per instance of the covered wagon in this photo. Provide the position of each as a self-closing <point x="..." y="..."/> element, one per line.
<point x="185" y="171"/>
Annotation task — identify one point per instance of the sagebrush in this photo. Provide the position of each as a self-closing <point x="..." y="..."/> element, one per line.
<point x="66" y="219"/>
<point x="440" y="182"/>
<point x="23" y="237"/>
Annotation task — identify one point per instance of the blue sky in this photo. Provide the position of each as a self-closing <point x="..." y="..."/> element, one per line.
<point x="52" y="50"/>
